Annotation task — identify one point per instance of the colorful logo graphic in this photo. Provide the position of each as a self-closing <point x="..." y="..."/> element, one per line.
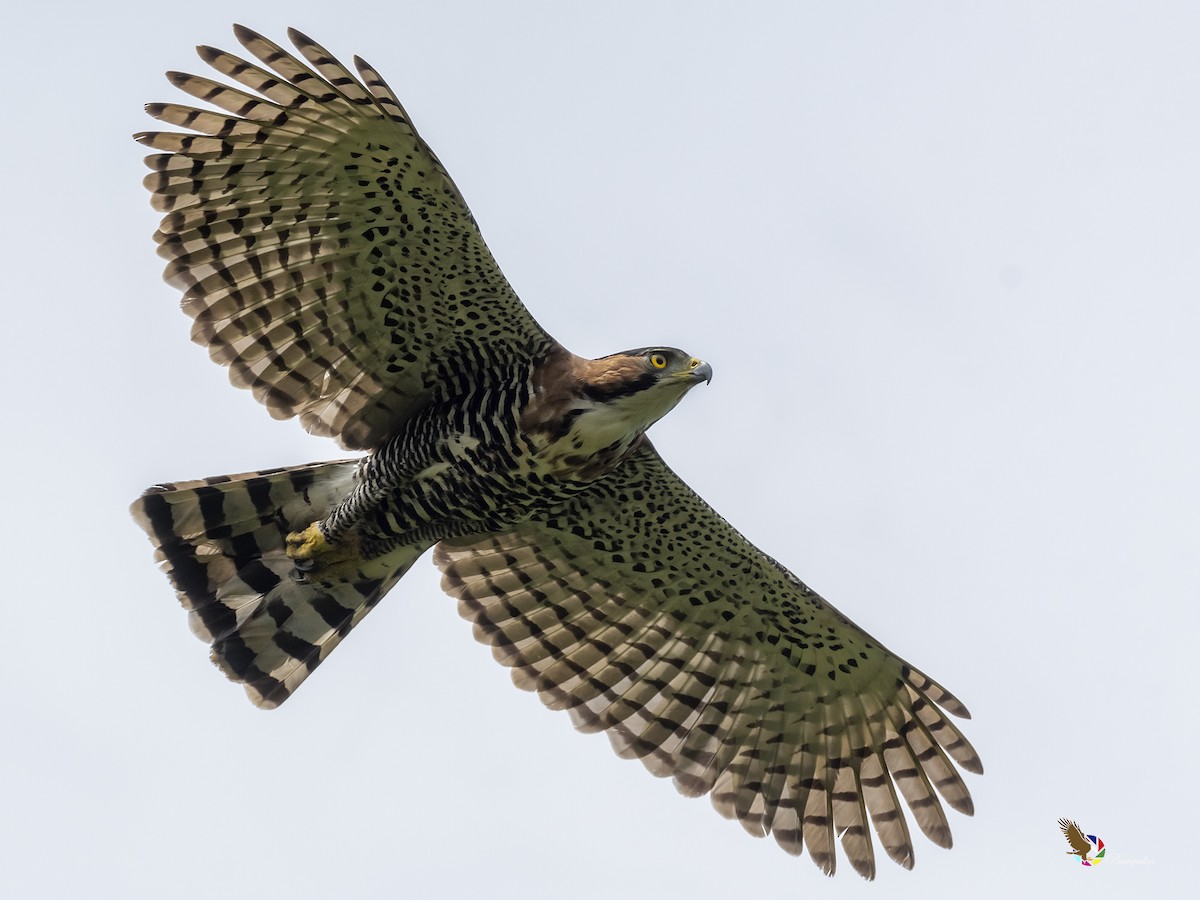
<point x="1087" y="848"/>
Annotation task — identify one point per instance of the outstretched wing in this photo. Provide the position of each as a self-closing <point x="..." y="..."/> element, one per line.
<point x="325" y="255"/>
<point x="1079" y="844"/>
<point x="642" y="612"/>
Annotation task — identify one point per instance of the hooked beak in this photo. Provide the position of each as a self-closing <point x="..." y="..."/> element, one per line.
<point x="701" y="371"/>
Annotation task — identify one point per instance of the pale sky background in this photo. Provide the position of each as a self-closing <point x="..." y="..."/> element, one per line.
<point x="944" y="260"/>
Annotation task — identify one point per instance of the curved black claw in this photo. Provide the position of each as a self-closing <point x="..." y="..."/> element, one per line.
<point x="301" y="568"/>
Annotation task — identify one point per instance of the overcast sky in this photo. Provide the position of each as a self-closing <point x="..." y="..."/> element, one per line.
<point x="943" y="260"/>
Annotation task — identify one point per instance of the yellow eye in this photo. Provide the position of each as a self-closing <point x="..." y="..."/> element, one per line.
<point x="658" y="360"/>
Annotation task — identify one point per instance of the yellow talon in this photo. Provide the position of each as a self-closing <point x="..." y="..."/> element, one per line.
<point x="311" y="552"/>
<point x="302" y="546"/>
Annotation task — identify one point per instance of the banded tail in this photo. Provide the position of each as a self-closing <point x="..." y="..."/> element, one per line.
<point x="221" y="542"/>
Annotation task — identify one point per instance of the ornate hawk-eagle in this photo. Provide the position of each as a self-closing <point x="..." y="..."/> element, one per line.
<point x="326" y="258"/>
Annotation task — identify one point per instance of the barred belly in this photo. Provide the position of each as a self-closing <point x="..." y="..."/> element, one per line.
<point x="460" y="468"/>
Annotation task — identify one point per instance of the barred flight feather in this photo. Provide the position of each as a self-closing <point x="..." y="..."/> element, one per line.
<point x="316" y="207"/>
<point x="751" y="689"/>
<point x="221" y="542"/>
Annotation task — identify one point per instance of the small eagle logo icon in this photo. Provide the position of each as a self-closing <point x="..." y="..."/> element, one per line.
<point x="1082" y="844"/>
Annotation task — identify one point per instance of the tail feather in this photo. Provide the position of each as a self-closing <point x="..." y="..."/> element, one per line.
<point x="221" y="543"/>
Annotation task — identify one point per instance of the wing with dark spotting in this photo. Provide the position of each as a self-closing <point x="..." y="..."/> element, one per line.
<point x="325" y="255"/>
<point x="644" y="614"/>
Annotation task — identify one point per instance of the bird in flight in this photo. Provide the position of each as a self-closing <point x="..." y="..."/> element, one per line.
<point x="1080" y="845"/>
<point x="329" y="261"/>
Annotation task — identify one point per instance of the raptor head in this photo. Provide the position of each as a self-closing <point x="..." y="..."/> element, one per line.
<point x="639" y="387"/>
<point x="596" y="413"/>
